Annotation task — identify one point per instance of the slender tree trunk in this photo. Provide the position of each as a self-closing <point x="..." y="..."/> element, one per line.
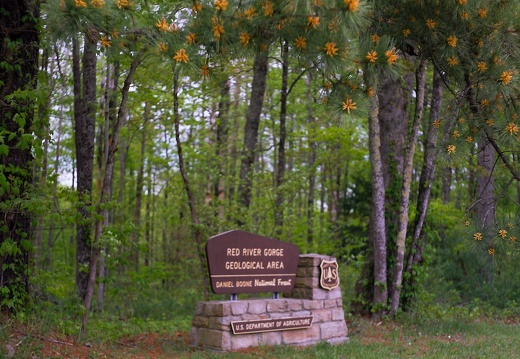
<point x="280" y="167"/>
<point x="187" y="186"/>
<point x="425" y="186"/>
<point x="313" y="146"/>
<point x="85" y="119"/>
<point x="485" y="202"/>
<point x="219" y="184"/>
<point x="233" y="151"/>
<point x="43" y="171"/>
<point x="405" y="190"/>
<point x="377" y="219"/>
<point x="251" y="127"/>
<point x="50" y="236"/>
<point x="106" y="193"/>
<point x="148" y="214"/>
<point x="446" y="184"/>
<point x="136" y="234"/>
<point x="485" y="206"/>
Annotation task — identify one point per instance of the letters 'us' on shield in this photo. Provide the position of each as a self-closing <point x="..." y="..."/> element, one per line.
<point x="329" y="278"/>
<point x="242" y="262"/>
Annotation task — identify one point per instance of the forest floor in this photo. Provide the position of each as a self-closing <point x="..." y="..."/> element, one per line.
<point x="435" y="339"/>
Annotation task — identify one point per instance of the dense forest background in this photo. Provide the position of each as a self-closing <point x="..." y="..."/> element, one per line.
<point x="382" y="133"/>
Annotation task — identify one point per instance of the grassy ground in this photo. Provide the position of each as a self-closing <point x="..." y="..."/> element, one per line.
<point x="404" y="338"/>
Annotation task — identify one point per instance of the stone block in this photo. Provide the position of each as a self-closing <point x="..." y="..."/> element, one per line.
<point x="270" y="338"/>
<point x="219" y="309"/>
<point x="213" y="339"/>
<point x="323" y="294"/>
<point x="277" y="305"/>
<point x="294" y="305"/>
<point x="244" y="341"/>
<point x="199" y="309"/>
<point x="248" y="316"/>
<point x="311" y="260"/>
<point x="338" y="314"/>
<point x="307" y="282"/>
<point x="279" y="315"/>
<point x="257" y="306"/>
<point x="315" y="272"/>
<point x="312" y="304"/>
<point x="330" y="303"/>
<point x="301" y="313"/>
<point x="321" y="316"/>
<point x="201" y="321"/>
<point x="192" y="337"/>
<point x="239" y="307"/>
<point x="333" y="329"/>
<point x="220" y="323"/>
<point x="299" y="336"/>
<point x="301" y="272"/>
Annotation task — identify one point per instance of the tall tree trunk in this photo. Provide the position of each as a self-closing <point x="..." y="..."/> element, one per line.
<point x="85" y="120"/>
<point x="19" y="49"/>
<point x="233" y="151"/>
<point x="446" y="174"/>
<point x="485" y="206"/>
<point x="134" y="256"/>
<point x="425" y="185"/>
<point x="377" y="218"/>
<point x="43" y="171"/>
<point x="187" y="186"/>
<point x="251" y="127"/>
<point x="50" y="235"/>
<point x="485" y="201"/>
<point x="148" y="214"/>
<point x="106" y="192"/>
<point x="313" y="146"/>
<point x="280" y="166"/>
<point x="219" y="184"/>
<point x="402" y="227"/>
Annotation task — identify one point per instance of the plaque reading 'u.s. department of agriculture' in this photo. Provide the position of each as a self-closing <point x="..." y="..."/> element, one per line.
<point x="242" y="262"/>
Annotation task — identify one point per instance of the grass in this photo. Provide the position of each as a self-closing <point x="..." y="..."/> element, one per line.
<point x="407" y="337"/>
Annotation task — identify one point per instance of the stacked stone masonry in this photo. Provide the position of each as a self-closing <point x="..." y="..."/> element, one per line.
<point x="211" y="327"/>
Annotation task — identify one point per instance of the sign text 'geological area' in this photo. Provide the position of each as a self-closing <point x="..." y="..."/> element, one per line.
<point x="242" y="262"/>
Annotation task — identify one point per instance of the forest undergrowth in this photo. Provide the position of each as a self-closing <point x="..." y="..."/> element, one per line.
<point x="436" y="332"/>
<point x="155" y="323"/>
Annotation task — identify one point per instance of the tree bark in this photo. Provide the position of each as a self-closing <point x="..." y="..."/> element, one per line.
<point x="85" y="121"/>
<point x="19" y="57"/>
<point x="402" y="226"/>
<point x="377" y="219"/>
<point x="485" y="206"/>
<point x="280" y="166"/>
<point x="313" y="146"/>
<point x="221" y="148"/>
<point x="252" y="124"/>
<point x="136" y="234"/>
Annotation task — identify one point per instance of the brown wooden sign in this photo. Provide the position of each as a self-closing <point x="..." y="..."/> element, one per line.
<point x="242" y="262"/>
<point x="271" y="325"/>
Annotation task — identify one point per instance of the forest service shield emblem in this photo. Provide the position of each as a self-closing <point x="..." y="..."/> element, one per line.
<point x="329" y="278"/>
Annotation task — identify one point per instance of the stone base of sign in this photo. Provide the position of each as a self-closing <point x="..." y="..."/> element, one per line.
<point x="211" y="327"/>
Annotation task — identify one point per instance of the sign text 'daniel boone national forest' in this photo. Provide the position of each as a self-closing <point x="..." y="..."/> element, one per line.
<point x="242" y="262"/>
